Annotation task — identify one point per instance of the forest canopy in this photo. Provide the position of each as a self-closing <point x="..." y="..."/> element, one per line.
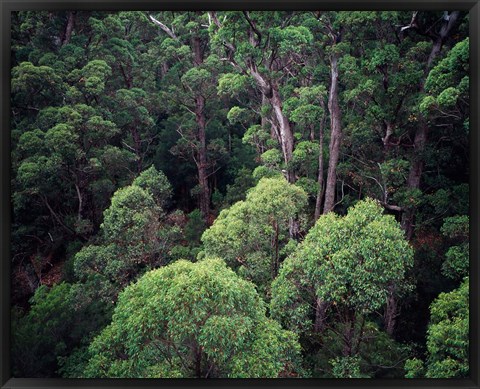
<point x="240" y="194"/>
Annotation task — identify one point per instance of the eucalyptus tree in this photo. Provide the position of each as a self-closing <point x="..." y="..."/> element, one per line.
<point x="253" y="235"/>
<point x="189" y="80"/>
<point x="192" y="320"/>
<point x="269" y="48"/>
<point x="135" y="236"/>
<point x="342" y="273"/>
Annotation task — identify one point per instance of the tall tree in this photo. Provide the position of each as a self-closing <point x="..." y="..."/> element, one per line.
<point x="266" y="47"/>
<point x="343" y="269"/>
<point x="197" y="75"/>
<point x="439" y="32"/>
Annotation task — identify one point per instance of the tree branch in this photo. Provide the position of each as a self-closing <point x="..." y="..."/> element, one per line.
<point x="169" y="32"/>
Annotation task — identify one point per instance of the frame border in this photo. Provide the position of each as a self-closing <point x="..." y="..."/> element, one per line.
<point x="7" y="6"/>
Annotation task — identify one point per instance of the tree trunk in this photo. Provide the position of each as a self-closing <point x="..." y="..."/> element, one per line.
<point x="414" y="175"/>
<point x="202" y="163"/>
<point x="349" y="334"/>
<point x="270" y="92"/>
<point x="336" y="136"/>
<point x="320" y="315"/>
<point x="137" y="145"/>
<point x="391" y="314"/>
<point x="286" y="135"/>
<point x="421" y="134"/>
<point x="318" y="203"/>
<point x="68" y="28"/>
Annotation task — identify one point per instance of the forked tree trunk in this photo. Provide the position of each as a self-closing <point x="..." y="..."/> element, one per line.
<point x="286" y="135"/>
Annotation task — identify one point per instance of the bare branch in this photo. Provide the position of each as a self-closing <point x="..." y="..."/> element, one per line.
<point x="254" y="28"/>
<point x="169" y="32"/>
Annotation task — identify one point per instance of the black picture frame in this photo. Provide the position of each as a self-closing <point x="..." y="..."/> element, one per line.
<point x="8" y="6"/>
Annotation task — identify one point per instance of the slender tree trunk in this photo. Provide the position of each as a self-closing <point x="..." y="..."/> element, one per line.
<point x="320" y="315"/>
<point x="390" y="311"/>
<point x="336" y="136"/>
<point x="414" y="175"/>
<point x="421" y="134"/>
<point x="270" y="91"/>
<point x="202" y="163"/>
<point x="198" y="361"/>
<point x="68" y="28"/>
<point x="137" y="145"/>
<point x="286" y="135"/>
<point x="127" y="75"/>
<point x="349" y="334"/>
<point x="318" y="203"/>
<point x="264" y="121"/>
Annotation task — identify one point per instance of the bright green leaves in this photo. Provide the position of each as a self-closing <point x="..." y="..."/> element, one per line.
<point x="344" y="270"/>
<point x="447" y="337"/>
<point x="132" y="210"/>
<point x="349" y="261"/>
<point x="156" y="183"/>
<point x="448" y="97"/>
<point x="200" y="320"/>
<point x="306" y="109"/>
<point x="91" y="78"/>
<point x="196" y="79"/>
<point x="346" y="367"/>
<point x="135" y="235"/>
<point x="231" y="84"/>
<point x="457" y="258"/>
<point x="251" y="234"/>
<point x="447" y="84"/>
<point x="446" y="72"/>
<point x="290" y="39"/>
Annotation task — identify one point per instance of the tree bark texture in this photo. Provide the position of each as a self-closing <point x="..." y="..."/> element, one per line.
<point x="390" y="311"/>
<point x="321" y="309"/>
<point x="69" y="28"/>
<point x="336" y="136"/>
<point x="318" y="202"/>
<point x="202" y="163"/>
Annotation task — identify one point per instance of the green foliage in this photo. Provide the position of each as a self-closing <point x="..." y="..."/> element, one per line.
<point x="44" y="332"/>
<point x="374" y="354"/>
<point x="194" y="228"/>
<point x="447" y="70"/>
<point x="251" y="234"/>
<point x="156" y="183"/>
<point x="447" y="338"/>
<point x="102" y="116"/>
<point x="231" y="84"/>
<point x="192" y="320"/>
<point x="134" y="235"/>
<point x="346" y="367"/>
<point x="349" y="261"/>
<point x="457" y="259"/>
